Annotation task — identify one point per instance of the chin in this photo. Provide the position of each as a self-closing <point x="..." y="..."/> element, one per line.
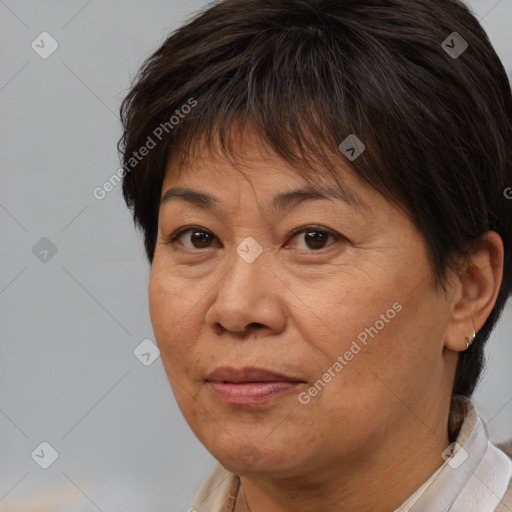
<point x="245" y="457"/>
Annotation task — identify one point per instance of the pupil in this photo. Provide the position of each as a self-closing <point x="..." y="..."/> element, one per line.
<point x="317" y="238"/>
<point x="202" y="238"/>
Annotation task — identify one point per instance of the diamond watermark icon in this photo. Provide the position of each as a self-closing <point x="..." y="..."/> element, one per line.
<point x="249" y="249"/>
<point x="454" y="45"/>
<point x="44" y="250"/>
<point x="352" y="147"/>
<point x="249" y="454"/>
<point x="455" y="455"/>
<point x="146" y="352"/>
<point x="44" y="45"/>
<point x="44" y="455"/>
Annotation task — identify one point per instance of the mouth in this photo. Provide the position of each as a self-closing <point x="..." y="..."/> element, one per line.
<point x="250" y="386"/>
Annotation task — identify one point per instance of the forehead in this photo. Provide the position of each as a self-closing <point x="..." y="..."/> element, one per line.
<point x="278" y="191"/>
<point x="208" y="176"/>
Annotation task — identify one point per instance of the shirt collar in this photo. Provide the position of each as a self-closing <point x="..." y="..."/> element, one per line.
<point x="475" y="474"/>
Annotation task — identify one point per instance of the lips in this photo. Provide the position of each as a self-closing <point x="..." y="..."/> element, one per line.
<point x="249" y="386"/>
<point x="246" y="375"/>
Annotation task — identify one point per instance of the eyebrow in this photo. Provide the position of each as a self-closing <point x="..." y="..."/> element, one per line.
<point x="285" y="200"/>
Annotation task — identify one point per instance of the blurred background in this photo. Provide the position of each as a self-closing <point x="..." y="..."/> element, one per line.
<point x="83" y="391"/>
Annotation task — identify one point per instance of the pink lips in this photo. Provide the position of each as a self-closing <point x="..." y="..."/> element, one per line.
<point x="249" y="386"/>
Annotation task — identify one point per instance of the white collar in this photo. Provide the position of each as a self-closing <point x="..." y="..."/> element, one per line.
<point x="474" y="477"/>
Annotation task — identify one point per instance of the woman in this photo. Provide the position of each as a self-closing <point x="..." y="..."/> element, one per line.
<point x="320" y="185"/>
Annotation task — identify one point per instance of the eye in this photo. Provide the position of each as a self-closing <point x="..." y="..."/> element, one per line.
<point x="198" y="237"/>
<point x="315" y="238"/>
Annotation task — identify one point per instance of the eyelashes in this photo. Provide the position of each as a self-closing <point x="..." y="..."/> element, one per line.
<point x="173" y="240"/>
<point x="315" y="236"/>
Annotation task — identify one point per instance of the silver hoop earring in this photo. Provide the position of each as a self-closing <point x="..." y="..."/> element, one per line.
<point x="469" y="341"/>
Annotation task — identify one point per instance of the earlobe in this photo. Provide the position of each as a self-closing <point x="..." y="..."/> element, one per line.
<point x="477" y="289"/>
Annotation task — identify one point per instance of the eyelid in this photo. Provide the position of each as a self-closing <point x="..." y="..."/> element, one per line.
<point x="172" y="240"/>
<point x="315" y="227"/>
<point x="312" y="227"/>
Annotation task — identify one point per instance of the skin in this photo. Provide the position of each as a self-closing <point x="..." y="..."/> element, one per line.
<point x="376" y="431"/>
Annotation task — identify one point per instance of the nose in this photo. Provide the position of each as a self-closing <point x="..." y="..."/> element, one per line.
<point x="248" y="297"/>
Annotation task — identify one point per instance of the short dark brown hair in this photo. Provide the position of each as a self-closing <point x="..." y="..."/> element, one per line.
<point x="307" y="74"/>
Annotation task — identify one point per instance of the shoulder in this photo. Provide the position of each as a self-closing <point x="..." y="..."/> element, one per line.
<point x="506" y="447"/>
<point x="506" y="503"/>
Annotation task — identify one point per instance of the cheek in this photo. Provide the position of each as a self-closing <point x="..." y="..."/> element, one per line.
<point x="172" y="300"/>
<point x="162" y="302"/>
<point x="342" y="311"/>
<point x="176" y="316"/>
<point x="176" y="325"/>
<point x="378" y="319"/>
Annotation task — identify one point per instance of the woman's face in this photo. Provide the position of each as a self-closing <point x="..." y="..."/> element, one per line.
<point x="291" y="351"/>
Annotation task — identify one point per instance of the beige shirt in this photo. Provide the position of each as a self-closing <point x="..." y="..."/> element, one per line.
<point x="475" y="477"/>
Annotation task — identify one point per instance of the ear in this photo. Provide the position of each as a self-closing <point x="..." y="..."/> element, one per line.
<point x="475" y="291"/>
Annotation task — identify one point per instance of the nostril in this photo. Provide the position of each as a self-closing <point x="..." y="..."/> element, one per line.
<point x="220" y="329"/>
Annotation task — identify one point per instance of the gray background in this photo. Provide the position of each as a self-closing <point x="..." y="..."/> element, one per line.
<point x="70" y="324"/>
